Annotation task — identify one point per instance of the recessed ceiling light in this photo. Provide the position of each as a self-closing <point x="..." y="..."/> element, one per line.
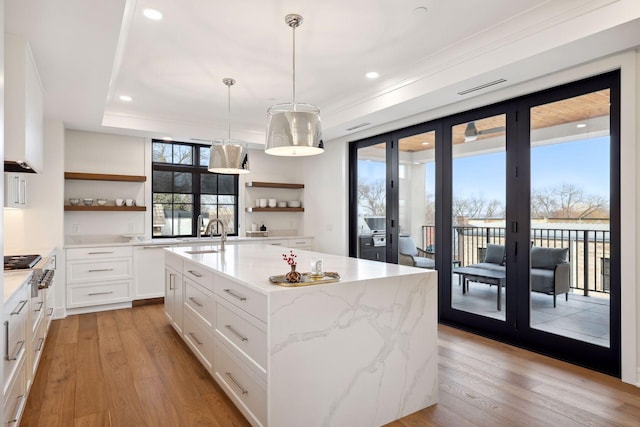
<point x="372" y="75"/>
<point x="425" y="143"/>
<point x="416" y="163"/>
<point x="581" y="125"/>
<point x="125" y="98"/>
<point x="153" y="14"/>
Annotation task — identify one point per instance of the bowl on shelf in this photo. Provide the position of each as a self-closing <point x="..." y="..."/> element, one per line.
<point x="101" y="202"/>
<point x="87" y="201"/>
<point x="74" y="202"/>
<point x="294" y="203"/>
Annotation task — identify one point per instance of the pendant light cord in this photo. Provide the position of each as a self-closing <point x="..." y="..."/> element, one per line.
<point x="294" y="64"/>
<point x="229" y="111"/>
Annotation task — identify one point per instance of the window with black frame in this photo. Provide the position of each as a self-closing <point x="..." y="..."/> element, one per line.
<point x="183" y="188"/>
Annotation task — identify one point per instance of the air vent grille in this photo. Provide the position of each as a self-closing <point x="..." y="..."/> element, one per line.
<point x="483" y="86"/>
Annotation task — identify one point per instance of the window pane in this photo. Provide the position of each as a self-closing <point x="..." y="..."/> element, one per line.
<point x="161" y="227"/>
<point x="206" y="199"/>
<point x="162" y="198"/>
<point x="182" y="219"/>
<point x="162" y="182"/>
<point x="161" y="152"/>
<point x="209" y="183"/>
<point x="227" y="200"/>
<point x="227" y="214"/>
<point x="182" y="182"/>
<point x="182" y="154"/>
<point x="205" y="153"/>
<point x="227" y="184"/>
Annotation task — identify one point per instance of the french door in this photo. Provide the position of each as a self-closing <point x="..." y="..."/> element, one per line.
<point x="517" y="207"/>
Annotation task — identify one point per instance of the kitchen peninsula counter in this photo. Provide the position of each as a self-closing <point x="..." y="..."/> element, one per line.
<point x="361" y="351"/>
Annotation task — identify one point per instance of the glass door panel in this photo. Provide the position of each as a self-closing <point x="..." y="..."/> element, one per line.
<point x="570" y="218"/>
<point x="478" y="282"/>
<point x="372" y="202"/>
<point x="416" y="189"/>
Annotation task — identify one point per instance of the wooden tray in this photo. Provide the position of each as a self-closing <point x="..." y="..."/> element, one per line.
<point x="307" y="279"/>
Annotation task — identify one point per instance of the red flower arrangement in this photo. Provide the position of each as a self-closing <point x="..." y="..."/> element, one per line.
<point x="290" y="259"/>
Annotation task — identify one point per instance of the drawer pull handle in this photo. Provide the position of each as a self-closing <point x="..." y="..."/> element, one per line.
<point x="6" y="340"/>
<point x="195" y="273"/>
<point x="100" y="293"/>
<point x="236" y="333"/>
<point x="233" y="294"/>
<point x="100" y="253"/>
<point x="242" y="389"/>
<point x="50" y="311"/>
<point x="15" y="356"/>
<point x="98" y="270"/>
<point x="171" y="278"/>
<point x="195" y="338"/>
<point x="39" y="308"/>
<point x="41" y="344"/>
<point x="156" y="247"/>
<point x="23" y="401"/>
<point x="195" y="301"/>
<point x="21" y="305"/>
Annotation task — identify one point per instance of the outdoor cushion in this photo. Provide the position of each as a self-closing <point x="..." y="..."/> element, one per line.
<point x="489" y="266"/>
<point x="406" y="246"/>
<point x="548" y="258"/>
<point x="542" y="280"/>
<point x="423" y="262"/>
<point x="494" y="254"/>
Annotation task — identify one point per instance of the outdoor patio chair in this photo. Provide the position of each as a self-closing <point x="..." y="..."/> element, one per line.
<point x="410" y="254"/>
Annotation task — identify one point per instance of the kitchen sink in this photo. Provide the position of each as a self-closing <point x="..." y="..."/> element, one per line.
<point x="202" y="251"/>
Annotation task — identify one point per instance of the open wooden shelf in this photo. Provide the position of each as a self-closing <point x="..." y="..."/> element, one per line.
<point x="105" y="208"/>
<point x="274" y="185"/>
<point x="275" y="209"/>
<point x="104" y="177"/>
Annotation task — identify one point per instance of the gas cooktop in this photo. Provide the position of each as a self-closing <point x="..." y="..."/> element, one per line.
<point x="20" y="262"/>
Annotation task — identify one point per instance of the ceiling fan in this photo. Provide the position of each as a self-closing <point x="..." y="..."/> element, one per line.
<point x="471" y="132"/>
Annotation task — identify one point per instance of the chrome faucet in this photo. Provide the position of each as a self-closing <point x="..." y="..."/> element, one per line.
<point x="199" y="226"/>
<point x="209" y="231"/>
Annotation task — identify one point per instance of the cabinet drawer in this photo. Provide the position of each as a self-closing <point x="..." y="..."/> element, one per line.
<point x="200" y="301"/>
<point x="243" y="332"/>
<point x="241" y="296"/>
<point x="37" y="307"/>
<point x="95" y="253"/>
<point x="15" y="347"/>
<point x="200" y="338"/>
<point x="241" y="384"/>
<point x="300" y="243"/>
<point x="277" y="242"/>
<point x="15" y="398"/>
<point x="108" y="269"/>
<point x="198" y="274"/>
<point x="37" y="346"/>
<point x="98" y="293"/>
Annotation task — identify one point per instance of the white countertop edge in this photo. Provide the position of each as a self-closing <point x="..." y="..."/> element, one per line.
<point x="179" y="241"/>
<point x="13" y="280"/>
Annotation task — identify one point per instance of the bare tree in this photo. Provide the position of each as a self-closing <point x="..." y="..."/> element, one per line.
<point x="567" y="201"/>
<point x="430" y="209"/>
<point x="476" y="207"/>
<point x="372" y="198"/>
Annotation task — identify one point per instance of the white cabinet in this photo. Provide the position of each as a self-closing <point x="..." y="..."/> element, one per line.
<point x="14" y="383"/>
<point x="15" y="190"/>
<point x="174" y="290"/>
<point x="23" y="107"/>
<point x="148" y="271"/>
<point x="99" y="276"/>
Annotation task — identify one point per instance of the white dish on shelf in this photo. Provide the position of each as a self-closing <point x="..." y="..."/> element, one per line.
<point x="294" y="203"/>
<point x="282" y="204"/>
<point x="74" y="201"/>
<point x="87" y="201"/>
<point x="101" y="202"/>
<point x="133" y="237"/>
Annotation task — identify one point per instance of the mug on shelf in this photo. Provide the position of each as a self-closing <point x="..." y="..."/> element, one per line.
<point x="129" y="202"/>
<point x="119" y="202"/>
<point x="272" y="203"/>
<point x="263" y="203"/>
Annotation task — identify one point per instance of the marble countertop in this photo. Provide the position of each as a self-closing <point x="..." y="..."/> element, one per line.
<point x="254" y="264"/>
<point x="13" y="280"/>
<point x="106" y="241"/>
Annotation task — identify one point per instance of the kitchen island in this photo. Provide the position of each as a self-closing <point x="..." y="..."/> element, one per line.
<point x="358" y="352"/>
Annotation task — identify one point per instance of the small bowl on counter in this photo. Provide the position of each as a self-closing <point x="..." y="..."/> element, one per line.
<point x="87" y="201"/>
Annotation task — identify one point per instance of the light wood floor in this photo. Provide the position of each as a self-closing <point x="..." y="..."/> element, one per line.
<point x="129" y="368"/>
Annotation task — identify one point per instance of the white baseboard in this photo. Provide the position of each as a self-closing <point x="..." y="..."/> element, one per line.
<point x="97" y="308"/>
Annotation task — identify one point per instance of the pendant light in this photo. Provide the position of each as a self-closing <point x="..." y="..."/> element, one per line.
<point x="229" y="156"/>
<point x="294" y="129"/>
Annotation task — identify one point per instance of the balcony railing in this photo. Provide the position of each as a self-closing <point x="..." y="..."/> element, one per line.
<point x="589" y="250"/>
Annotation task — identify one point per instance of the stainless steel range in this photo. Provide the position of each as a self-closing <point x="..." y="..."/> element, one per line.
<point x="43" y="269"/>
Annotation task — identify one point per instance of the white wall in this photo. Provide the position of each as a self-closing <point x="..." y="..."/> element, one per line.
<point x="102" y="153"/>
<point x="332" y="167"/>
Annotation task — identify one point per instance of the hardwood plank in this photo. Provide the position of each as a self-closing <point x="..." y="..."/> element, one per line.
<point x="130" y="368"/>
<point x="157" y="405"/>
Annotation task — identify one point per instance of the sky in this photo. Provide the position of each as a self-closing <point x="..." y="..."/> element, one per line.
<point x="583" y="163"/>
